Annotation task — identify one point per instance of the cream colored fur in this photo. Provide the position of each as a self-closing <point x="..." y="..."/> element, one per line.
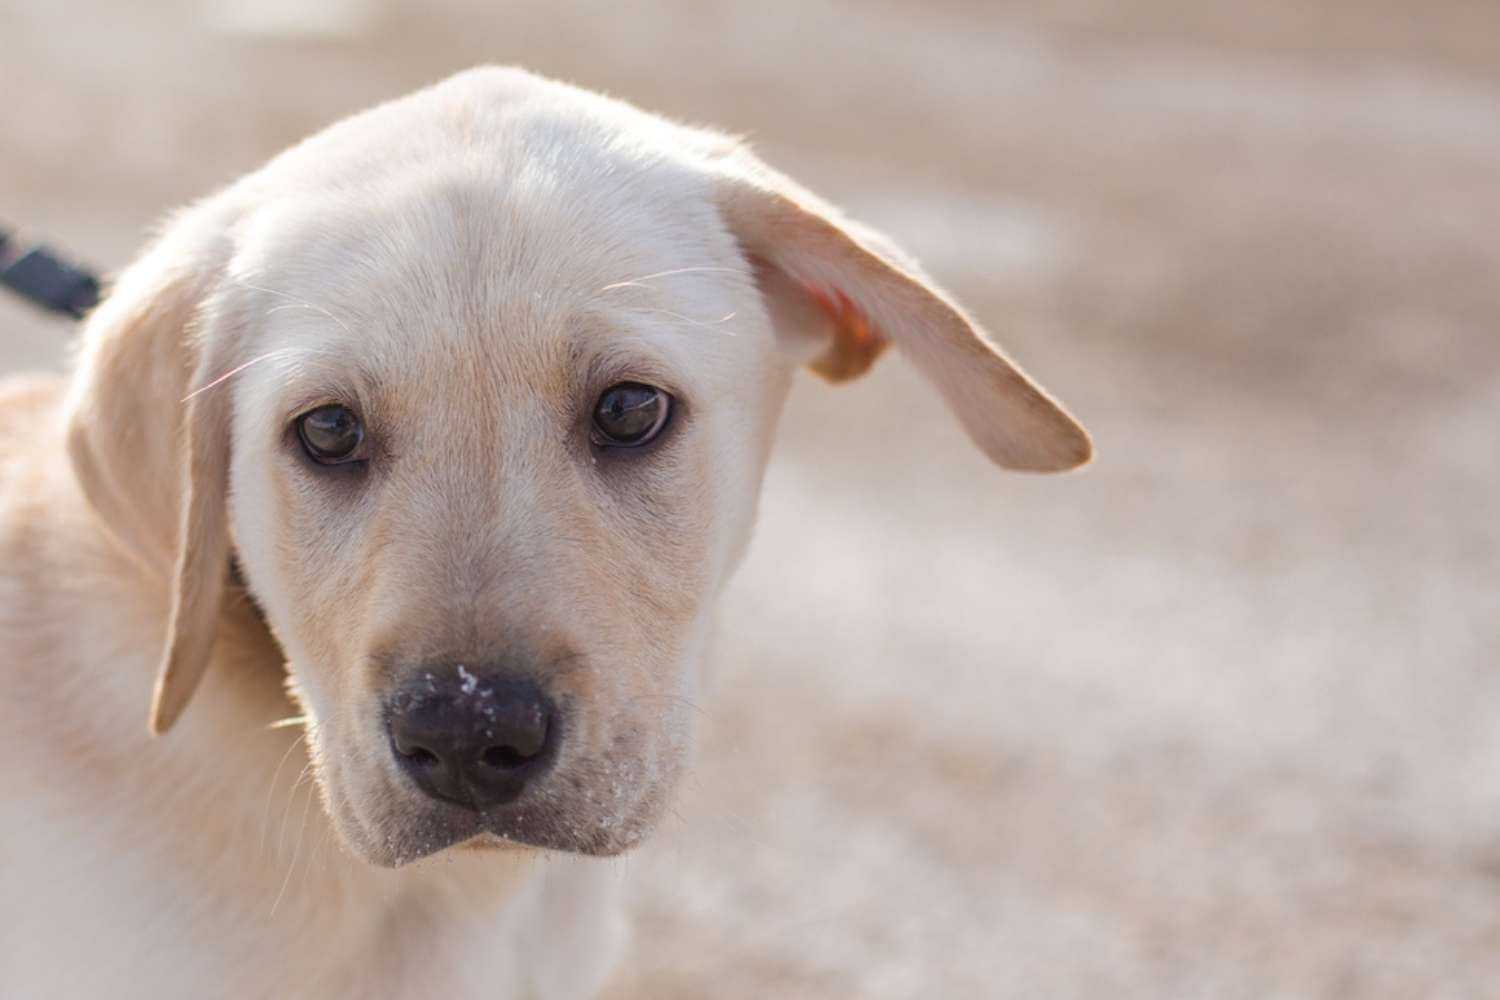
<point x="468" y="266"/>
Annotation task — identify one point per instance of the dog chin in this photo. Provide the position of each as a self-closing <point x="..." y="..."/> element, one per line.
<point x="488" y="842"/>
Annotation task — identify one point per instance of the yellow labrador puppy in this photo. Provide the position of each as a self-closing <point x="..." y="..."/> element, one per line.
<point x="448" y="423"/>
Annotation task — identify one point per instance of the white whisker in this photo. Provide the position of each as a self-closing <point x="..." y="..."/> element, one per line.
<point x="636" y="282"/>
<point x="705" y="323"/>
<point x="302" y="832"/>
<point x="286" y="813"/>
<point x="302" y="303"/>
<point x="232" y="373"/>
<point x="265" y="818"/>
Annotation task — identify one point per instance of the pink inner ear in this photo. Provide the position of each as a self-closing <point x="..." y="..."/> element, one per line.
<point x="856" y="341"/>
<point x="855" y="332"/>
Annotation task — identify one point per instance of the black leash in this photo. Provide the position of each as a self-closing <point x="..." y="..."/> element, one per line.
<point x="40" y="276"/>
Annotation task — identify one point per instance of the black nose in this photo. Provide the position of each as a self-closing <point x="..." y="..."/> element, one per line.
<point x="470" y="737"/>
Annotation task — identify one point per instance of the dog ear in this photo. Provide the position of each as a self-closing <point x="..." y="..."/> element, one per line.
<point x="838" y="292"/>
<point x="150" y="453"/>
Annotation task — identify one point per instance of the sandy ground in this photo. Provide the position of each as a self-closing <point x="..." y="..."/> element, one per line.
<point x="1219" y="717"/>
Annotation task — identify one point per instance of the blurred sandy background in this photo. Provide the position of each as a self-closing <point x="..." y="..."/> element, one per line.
<point x="1219" y="717"/>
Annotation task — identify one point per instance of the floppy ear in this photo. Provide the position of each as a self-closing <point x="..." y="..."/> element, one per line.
<point x="151" y="454"/>
<point x="849" y="289"/>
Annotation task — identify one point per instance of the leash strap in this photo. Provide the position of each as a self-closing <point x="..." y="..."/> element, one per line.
<point x="45" y="279"/>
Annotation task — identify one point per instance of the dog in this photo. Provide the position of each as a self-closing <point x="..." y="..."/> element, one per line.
<point x="420" y="455"/>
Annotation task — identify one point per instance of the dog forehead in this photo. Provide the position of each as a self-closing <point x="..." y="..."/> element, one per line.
<point x="471" y="273"/>
<point x="459" y="225"/>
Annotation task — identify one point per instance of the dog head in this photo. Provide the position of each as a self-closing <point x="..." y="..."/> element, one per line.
<point x="477" y="388"/>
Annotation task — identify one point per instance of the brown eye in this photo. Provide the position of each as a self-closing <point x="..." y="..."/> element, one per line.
<point x="630" y="414"/>
<point x="331" y="434"/>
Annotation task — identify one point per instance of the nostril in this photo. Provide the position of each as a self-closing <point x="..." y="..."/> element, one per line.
<point x="505" y="758"/>
<point x="523" y="743"/>
<point x="421" y="756"/>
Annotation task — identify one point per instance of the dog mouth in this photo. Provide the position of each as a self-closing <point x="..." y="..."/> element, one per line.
<point x="439" y="828"/>
<point x="405" y="828"/>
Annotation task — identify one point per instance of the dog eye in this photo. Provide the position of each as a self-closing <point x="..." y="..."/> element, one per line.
<point x="630" y="414"/>
<point x="331" y="434"/>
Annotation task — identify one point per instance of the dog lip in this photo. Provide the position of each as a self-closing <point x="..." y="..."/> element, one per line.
<point x="438" y="825"/>
<point x="520" y="826"/>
